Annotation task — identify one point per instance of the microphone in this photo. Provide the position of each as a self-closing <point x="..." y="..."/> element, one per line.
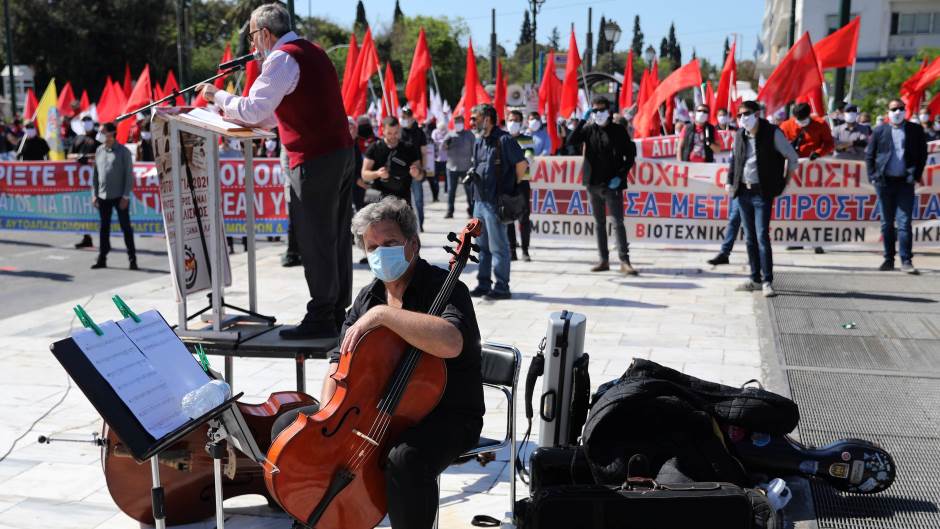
<point x="237" y="63"/>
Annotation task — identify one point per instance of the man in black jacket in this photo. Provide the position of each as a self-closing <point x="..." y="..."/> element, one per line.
<point x="757" y="175"/>
<point x="608" y="156"/>
<point x="896" y="156"/>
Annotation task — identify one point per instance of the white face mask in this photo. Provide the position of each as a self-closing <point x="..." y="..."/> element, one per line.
<point x="851" y="117"/>
<point x="747" y="122"/>
<point x="30" y="133"/>
<point x="936" y="125"/>
<point x="270" y="145"/>
<point x="100" y="137"/>
<point x="701" y="117"/>
<point x="88" y="125"/>
<point x="571" y="126"/>
<point x="925" y="118"/>
<point x="514" y="127"/>
<point x="896" y="116"/>
<point x="534" y="125"/>
<point x="723" y="119"/>
<point x="802" y="122"/>
<point x="601" y="117"/>
<point x="145" y="135"/>
<point x="458" y="127"/>
<point x="405" y="122"/>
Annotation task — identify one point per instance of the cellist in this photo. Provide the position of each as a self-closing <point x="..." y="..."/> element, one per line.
<point x="399" y="298"/>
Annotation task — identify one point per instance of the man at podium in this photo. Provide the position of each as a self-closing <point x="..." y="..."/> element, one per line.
<point x="298" y="91"/>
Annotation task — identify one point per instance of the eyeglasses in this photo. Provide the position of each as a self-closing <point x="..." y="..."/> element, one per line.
<point x="895" y="109"/>
<point x="251" y="34"/>
<point x="744" y="114"/>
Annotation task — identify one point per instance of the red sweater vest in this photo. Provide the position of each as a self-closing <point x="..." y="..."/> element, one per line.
<point x="311" y="119"/>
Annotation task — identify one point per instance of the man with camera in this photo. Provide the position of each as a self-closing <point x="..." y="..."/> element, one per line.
<point x="497" y="164"/>
<point x="390" y="164"/>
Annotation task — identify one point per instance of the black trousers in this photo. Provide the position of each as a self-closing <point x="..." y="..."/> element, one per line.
<point x="415" y="461"/>
<point x="105" y="208"/>
<point x="602" y="199"/>
<point x="292" y="248"/>
<point x="525" y="226"/>
<point x="418" y="458"/>
<point x="321" y="188"/>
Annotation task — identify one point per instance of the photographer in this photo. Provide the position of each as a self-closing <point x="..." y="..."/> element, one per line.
<point x="390" y="164"/>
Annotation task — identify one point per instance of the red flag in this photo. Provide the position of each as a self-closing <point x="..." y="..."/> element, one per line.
<point x="352" y="54"/>
<point x="141" y="96"/>
<point x="710" y="101"/>
<point x="726" y="82"/>
<point x="83" y="105"/>
<point x="158" y="94"/>
<point x="796" y="75"/>
<point x="390" y="104"/>
<point x="644" y="92"/>
<point x="816" y="101"/>
<point x="909" y="95"/>
<point x="367" y="64"/>
<point x="934" y="106"/>
<point x="226" y="56"/>
<point x="473" y="92"/>
<point x="669" y="115"/>
<point x="569" y="89"/>
<point x="104" y="97"/>
<point x="112" y="103"/>
<point x="931" y="74"/>
<point x="499" y="96"/>
<point x="251" y="73"/>
<point x="687" y="76"/>
<point x="127" y="80"/>
<point x="550" y="100"/>
<point x="839" y="49"/>
<point x="66" y="96"/>
<point x="626" y="91"/>
<point x="29" y="109"/>
<point x="416" y="90"/>
<point x="170" y="85"/>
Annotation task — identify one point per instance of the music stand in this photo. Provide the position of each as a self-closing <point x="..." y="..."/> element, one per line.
<point x="141" y="444"/>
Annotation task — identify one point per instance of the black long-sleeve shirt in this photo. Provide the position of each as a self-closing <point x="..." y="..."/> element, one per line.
<point x="608" y="152"/>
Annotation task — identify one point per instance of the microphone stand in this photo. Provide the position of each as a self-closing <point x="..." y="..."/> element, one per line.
<point x="177" y="92"/>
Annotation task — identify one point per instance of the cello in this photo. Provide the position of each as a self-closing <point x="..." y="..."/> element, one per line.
<point x="187" y="471"/>
<point x="325" y="469"/>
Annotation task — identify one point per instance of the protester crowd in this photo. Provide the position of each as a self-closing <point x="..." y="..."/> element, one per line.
<point x="397" y="155"/>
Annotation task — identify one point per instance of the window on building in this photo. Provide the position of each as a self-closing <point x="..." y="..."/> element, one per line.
<point x="922" y="23"/>
<point x="915" y="23"/>
<point x="832" y="22"/>
<point x="906" y="23"/>
<point x="936" y="22"/>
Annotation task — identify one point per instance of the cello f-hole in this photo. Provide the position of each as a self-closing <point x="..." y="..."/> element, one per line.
<point x="327" y="433"/>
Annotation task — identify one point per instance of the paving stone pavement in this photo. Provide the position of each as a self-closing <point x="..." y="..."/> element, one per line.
<point x="679" y="312"/>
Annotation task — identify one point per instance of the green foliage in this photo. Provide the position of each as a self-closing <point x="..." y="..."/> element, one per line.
<point x="637" y="43"/>
<point x="361" y="21"/>
<point x="554" y="41"/>
<point x="525" y="33"/>
<point x="875" y="88"/>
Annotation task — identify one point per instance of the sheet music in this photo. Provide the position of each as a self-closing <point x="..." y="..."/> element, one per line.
<point x="211" y="118"/>
<point x="133" y="378"/>
<point x="166" y="353"/>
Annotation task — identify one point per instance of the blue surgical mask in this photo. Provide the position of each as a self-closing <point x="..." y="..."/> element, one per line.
<point x="388" y="263"/>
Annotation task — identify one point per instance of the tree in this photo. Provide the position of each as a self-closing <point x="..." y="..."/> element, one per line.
<point x="637" y="43"/>
<point x="724" y="55"/>
<point x="672" y="39"/>
<point x="602" y="44"/>
<point x="677" y="56"/>
<point x="554" y="41"/>
<point x="398" y="15"/>
<point x="693" y="54"/>
<point x="875" y="88"/>
<point x="361" y="21"/>
<point x="525" y="33"/>
<point x="664" y="51"/>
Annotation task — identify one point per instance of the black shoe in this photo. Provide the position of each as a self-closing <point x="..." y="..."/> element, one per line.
<point x="479" y="292"/>
<point x="525" y="256"/>
<point x="908" y="268"/>
<point x="819" y="250"/>
<point x="310" y="330"/>
<point x="290" y="259"/>
<point x="133" y="265"/>
<point x="84" y="243"/>
<point x="719" y="259"/>
<point x="513" y="256"/>
<point x="887" y="265"/>
<point x="494" y="295"/>
<point x="449" y="215"/>
<point x="100" y="263"/>
<point x="602" y="266"/>
<point x="364" y="260"/>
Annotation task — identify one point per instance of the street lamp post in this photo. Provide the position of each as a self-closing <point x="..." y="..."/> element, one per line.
<point x="612" y="34"/>
<point x="534" y="5"/>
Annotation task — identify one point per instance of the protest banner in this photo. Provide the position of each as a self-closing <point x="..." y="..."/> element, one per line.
<point x="830" y="202"/>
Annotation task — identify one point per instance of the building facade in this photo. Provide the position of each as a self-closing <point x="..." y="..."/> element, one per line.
<point x="889" y="28"/>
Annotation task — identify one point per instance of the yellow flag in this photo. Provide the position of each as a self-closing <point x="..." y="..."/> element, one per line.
<point x="47" y="121"/>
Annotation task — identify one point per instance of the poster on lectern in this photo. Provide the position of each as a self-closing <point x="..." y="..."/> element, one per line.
<point x="197" y="228"/>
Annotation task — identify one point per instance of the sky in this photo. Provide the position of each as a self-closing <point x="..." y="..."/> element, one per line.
<point x="699" y="25"/>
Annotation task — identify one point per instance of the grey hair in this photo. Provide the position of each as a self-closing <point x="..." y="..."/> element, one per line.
<point x="274" y="17"/>
<point x="389" y="208"/>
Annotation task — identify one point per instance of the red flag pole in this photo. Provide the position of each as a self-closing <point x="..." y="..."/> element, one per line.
<point x="851" y="81"/>
<point x="385" y="99"/>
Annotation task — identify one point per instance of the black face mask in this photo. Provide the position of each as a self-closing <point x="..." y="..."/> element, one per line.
<point x="365" y="131"/>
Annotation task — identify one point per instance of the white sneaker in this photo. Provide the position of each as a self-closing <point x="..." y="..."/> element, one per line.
<point x="768" y="290"/>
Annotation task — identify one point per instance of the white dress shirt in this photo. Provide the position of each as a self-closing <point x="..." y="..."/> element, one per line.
<point x="278" y="77"/>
